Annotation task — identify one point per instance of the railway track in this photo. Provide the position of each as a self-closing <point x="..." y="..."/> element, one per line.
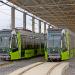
<point x="49" y="72"/>
<point x="43" y="63"/>
<point x="30" y="68"/>
<point x="5" y="64"/>
<point x="41" y="68"/>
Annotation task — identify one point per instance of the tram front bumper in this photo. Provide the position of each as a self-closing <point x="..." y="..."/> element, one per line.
<point x="4" y="57"/>
<point x="54" y="56"/>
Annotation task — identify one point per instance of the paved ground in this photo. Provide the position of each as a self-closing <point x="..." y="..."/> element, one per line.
<point x="18" y="64"/>
<point x="41" y="69"/>
<point x="71" y="70"/>
<point x="21" y="63"/>
<point x="2" y="62"/>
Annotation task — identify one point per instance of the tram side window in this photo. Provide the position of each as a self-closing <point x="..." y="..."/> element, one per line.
<point x="14" y="44"/>
<point x="38" y="42"/>
<point x="23" y="41"/>
<point x="31" y="41"/>
<point x="42" y="44"/>
<point x="64" y="42"/>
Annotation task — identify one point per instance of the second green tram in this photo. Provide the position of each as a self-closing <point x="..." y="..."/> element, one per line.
<point x="60" y="44"/>
<point x="18" y="44"/>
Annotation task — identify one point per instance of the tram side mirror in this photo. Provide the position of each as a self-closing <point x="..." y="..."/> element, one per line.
<point x="14" y="49"/>
<point x="65" y="49"/>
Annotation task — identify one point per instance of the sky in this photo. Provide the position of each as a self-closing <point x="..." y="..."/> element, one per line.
<point x="5" y="19"/>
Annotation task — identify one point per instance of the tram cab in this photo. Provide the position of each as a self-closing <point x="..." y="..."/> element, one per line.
<point x="54" y="43"/>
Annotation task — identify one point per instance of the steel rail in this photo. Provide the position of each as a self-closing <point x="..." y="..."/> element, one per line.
<point x="4" y="64"/>
<point x="31" y="68"/>
<point x="51" y="69"/>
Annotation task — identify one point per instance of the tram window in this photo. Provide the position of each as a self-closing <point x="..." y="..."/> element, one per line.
<point x="42" y="45"/>
<point x="14" y="44"/>
<point x="0" y="39"/>
<point x="23" y="41"/>
<point x="64" y="43"/>
<point x="14" y="49"/>
<point x="4" y="42"/>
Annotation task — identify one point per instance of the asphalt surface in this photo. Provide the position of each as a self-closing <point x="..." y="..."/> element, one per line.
<point x="41" y="69"/>
<point x="18" y="64"/>
<point x="71" y="69"/>
<point x="21" y="63"/>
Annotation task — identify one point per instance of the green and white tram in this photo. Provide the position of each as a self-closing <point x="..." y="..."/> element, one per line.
<point x="19" y="44"/>
<point x="60" y="44"/>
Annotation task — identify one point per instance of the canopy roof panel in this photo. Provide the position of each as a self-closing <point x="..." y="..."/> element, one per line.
<point x="57" y="12"/>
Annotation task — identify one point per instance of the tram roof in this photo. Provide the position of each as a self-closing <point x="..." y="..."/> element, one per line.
<point x="60" y="13"/>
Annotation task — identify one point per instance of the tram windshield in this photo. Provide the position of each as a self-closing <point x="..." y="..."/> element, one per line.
<point x="4" y="43"/>
<point x="54" y="40"/>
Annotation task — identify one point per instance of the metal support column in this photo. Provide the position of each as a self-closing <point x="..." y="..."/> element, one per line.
<point x="12" y="18"/>
<point x="39" y="26"/>
<point x="24" y="20"/>
<point x="44" y="27"/>
<point x="33" y="24"/>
